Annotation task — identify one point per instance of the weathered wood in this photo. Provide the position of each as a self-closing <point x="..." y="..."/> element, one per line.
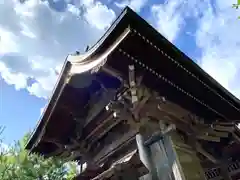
<point x="206" y="154"/>
<point x="209" y="138"/>
<point x="187" y="162"/>
<point x="110" y="149"/>
<point x="223" y="128"/>
<point x="224" y="170"/>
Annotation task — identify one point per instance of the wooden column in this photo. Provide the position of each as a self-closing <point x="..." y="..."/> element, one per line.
<point x="170" y="158"/>
<point x="183" y="160"/>
<point x="146" y="157"/>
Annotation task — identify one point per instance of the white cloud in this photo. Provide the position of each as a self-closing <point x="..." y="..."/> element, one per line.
<point x="167" y="19"/>
<point x="35" y="39"/>
<point x="7" y="42"/>
<point x="136" y="5"/>
<point x="170" y="17"/>
<point x="42" y="110"/>
<point x="32" y="46"/>
<point x="100" y="13"/>
<point x="218" y="37"/>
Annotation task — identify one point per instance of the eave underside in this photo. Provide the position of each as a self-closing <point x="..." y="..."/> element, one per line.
<point x="164" y="70"/>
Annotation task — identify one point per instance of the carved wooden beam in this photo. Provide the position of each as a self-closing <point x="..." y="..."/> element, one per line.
<point x="201" y="130"/>
<point x="70" y="151"/>
<point x="104" y="130"/>
<point x="217" y="133"/>
<point x="94" y="131"/>
<point x="112" y="72"/>
<point x="223" y="128"/>
<point x="235" y="136"/>
<point x="206" y="154"/>
<point x="115" y="146"/>
<point x="209" y="138"/>
<point x="132" y="84"/>
<point x="55" y="153"/>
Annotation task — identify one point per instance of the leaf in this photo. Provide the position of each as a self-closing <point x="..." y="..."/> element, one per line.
<point x="18" y="164"/>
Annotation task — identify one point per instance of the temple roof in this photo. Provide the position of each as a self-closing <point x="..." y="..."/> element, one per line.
<point x="79" y="97"/>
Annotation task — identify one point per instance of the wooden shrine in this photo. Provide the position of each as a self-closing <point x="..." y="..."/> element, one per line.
<point x="135" y="107"/>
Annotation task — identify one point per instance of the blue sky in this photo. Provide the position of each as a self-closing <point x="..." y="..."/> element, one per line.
<point x="37" y="35"/>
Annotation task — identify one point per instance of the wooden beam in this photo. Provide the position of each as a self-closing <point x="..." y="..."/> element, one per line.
<point x="209" y="138"/>
<point x="110" y="116"/>
<point x="113" y="147"/>
<point x="218" y="133"/>
<point x="223" y="128"/>
<point x="200" y="149"/>
<point x="235" y="136"/>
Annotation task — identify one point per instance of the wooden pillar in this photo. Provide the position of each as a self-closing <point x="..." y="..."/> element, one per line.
<point x="161" y="161"/>
<point x="146" y="157"/>
<point x="183" y="160"/>
<point x="170" y="158"/>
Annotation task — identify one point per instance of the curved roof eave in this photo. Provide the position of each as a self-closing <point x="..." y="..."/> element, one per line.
<point x="50" y="106"/>
<point x="71" y="62"/>
<point x="126" y="18"/>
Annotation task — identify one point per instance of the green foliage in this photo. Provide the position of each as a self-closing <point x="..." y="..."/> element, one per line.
<point x="236" y="6"/>
<point x="17" y="164"/>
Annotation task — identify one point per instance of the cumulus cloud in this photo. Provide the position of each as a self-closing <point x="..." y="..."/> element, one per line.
<point x="218" y="37"/>
<point x="136" y="5"/>
<point x="97" y="12"/>
<point x="168" y="21"/>
<point x="35" y="39"/>
<point x="170" y="17"/>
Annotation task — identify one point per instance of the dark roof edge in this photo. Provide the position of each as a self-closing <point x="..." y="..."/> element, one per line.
<point x="183" y="55"/>
<point x="109" y="30"/>
<point x="132" y="16"/>
<point x="97" y="46"/>
<point x="57" y="91"/>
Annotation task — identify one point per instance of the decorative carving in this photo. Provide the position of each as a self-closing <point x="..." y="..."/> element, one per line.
<point x="97" y="68"/>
